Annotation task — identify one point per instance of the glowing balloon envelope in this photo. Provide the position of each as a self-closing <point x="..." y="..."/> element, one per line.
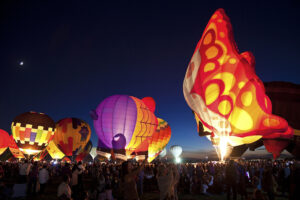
<point x="54" y="151"/>
<point x="159" y="140"/>
<point x="124" y="124"/>
<point x="84" y="152"/>
<point x="71" y="135"/>
<point x="4" y="141"/>
<point x="176" y="151"/>
<point x="224" y="92"/>
<point x="32" y="132"/>
<point x="93" y="152"/>
<point x="163" y="153"/>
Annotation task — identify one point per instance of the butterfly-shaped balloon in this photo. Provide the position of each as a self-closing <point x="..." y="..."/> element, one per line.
<point x="223" y="90"/>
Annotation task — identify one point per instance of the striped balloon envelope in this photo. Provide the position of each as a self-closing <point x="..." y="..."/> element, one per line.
<point x="159" y="140"/>
<point x="124" y="124"/>
<point x="32" y="132"/>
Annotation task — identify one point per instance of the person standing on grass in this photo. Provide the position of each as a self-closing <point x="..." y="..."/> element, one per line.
<point x="43" y="178"/>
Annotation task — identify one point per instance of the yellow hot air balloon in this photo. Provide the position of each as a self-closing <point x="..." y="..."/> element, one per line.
<point x="159" y="140"/>
<point x="54" y="151"/>
<point x="71" y="135"/>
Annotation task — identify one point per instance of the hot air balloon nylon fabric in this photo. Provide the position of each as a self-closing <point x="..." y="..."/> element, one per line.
<point x="32" y="131"/>
<point x="124" y="122"/>
<point x="71" y="135"/>
<point x="85" y="151"/>
<point x="159" y="140"/>
<point x="4" y="141"/>
<point x="54" y="151"/>
<point x="176" y="150"/>
<point x="221" y="87"/>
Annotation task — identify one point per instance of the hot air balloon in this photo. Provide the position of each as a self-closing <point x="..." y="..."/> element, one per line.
<point x="94" y="152"/>
<point x="84" y="152"/>
<point x="43" y="155"/>
<point x="14" y="149"/>
<point x="176" y="151"/>
<point x="227" y="97"/>
<point x="32" y="132"/>
<point x="71" y="136"/>
<point x="285" y="98"/>
<point x="159" y="139"/>
<point x="163" y="153"/>
<point x="124" y="125"/>
<point x="54" y="151"/>
<point x="4" y="141"/>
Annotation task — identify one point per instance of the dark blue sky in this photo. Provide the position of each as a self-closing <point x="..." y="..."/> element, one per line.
<point x="76" y="53"/>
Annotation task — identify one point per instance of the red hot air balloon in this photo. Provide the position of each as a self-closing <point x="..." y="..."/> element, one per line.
<point x="224" y="92"/>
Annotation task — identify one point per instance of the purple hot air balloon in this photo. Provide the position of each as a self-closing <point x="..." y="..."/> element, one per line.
<point x="123" y="122"/>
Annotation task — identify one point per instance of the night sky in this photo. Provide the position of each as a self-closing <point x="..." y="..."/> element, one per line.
<point x="76" y="53"/>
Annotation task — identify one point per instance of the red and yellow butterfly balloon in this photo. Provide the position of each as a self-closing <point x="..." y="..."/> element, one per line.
<point x="224" y="92"/>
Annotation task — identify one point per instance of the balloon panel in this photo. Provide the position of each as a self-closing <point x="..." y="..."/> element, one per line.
<point x="221" y="87"/>
<point x="32" y="131"/>
<point x="14" y="149"/>
<point x="145" y="126"/>
<point x="4" y="141"/>
<point x="85" y="151"/>
<point x="71" y="135"/>
<point x="159" y="139"/>
<point x="54" y="151"/>
<point x="116" y="115"/>
<point x="93" y="152"/>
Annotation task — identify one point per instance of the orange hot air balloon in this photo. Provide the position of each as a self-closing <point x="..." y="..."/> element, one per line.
<point x="71" y="135"/>
<point x="224" y="92"/>
<point x="159" y="140"/>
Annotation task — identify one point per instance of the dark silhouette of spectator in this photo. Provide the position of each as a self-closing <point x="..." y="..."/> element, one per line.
<point x="231" y="178"/>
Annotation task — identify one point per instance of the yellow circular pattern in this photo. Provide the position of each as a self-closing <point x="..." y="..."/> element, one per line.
<point x="232" y="60"/>
<point x="209" y="67"/>
<point x="211" y="52"/>
<point x="228" y="79"/>
<point x="211" y="93"/>
<point x="246" y="98"/>
<point x="240" y="119"/>
<point x="241" y="84"/>
<point x="224" y="107"/>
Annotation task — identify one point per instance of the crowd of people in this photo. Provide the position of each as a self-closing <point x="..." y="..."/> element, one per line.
<point x="255" y="180"/>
